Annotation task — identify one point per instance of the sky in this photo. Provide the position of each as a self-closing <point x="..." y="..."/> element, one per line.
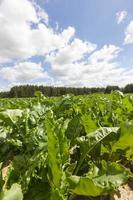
<point x="77" y="43"/>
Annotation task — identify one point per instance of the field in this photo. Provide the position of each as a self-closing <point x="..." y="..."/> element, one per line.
<point x="66" y="147"/>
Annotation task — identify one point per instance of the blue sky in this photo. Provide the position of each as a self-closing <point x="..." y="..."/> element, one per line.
<point x="66" y="42"/>
<point x="94" y="21"/>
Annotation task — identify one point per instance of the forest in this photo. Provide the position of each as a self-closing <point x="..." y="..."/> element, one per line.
<point x="29" y="90"/>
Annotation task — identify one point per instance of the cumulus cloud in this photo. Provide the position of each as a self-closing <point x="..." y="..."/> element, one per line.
<point x="72" y="62"/>
<point x="22" y="72"/>
<point x="25" y="32"/>
<point x="45" y="40"/>
<point x="41" y="13"/>
<point x="71" y="53"/>
<point x="106" y="54"/>
<point x="98" y="69"/>
<point x="129" y="33"/>
<point x="120" y="16"/>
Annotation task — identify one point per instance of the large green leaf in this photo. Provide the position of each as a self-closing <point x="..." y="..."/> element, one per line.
<point x="84" y="186"/>
<point x="87" y="144"/>
<point x="99" y="181"/>
<point x="14" y="193"/>
<point x="54" y="158"/>
<point x="125" y="141"/>
<point x="88" y="123"/>
<point x="64" y="144"/>
<point x="10" y="116"/>
<point x="56" y="195"/>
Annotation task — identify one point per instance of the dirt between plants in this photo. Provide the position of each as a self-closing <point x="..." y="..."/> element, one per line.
<point x="124" y="193"/>
<point x="5" y="168"/>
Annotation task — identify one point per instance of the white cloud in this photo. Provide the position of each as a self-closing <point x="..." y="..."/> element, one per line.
<point x="17" y="11"/>
<point x="15" y="32"/>
<point x="41" y="14"/>
<point x="22" y="72"/>
<point x="45" y="40"/>
<point x="120" y="16"/>
<point x="72" y="52"/>
<point x="74" y="62"/>
<point x="99" y="69"/>
<point x="129" y="33"/>
<point x="69" y="64"/>
<point x="23" y="32"/>
<point x="107" y="53"/>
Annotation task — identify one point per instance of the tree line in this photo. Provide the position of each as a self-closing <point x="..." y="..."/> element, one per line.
<point x="29" y="90"/>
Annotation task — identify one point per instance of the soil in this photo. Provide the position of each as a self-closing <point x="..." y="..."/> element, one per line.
<point x="124" y="193"/>
<point x="5" y="168"/>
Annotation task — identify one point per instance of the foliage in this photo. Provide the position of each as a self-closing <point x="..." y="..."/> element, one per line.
<point x="58" y="148"/>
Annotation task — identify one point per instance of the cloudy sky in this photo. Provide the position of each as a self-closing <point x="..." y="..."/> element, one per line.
<point x="66" y="42"/>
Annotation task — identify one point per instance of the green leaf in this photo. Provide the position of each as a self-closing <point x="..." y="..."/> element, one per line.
<point x="38" y="191"/>
<point x="87" y="144"/>
<point x="15" y="193"/>
<point x="88" y="123"/>
<point x="84" y="186"/>
<point x="100" y="181"/>
<point x="60" y="129"/>
<point x="56" y="195"/>
<point x="10" y="115"/>
<point x="111" y="175"/>
<point x="125" y="141"/>
<point x="53" y="152"/>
